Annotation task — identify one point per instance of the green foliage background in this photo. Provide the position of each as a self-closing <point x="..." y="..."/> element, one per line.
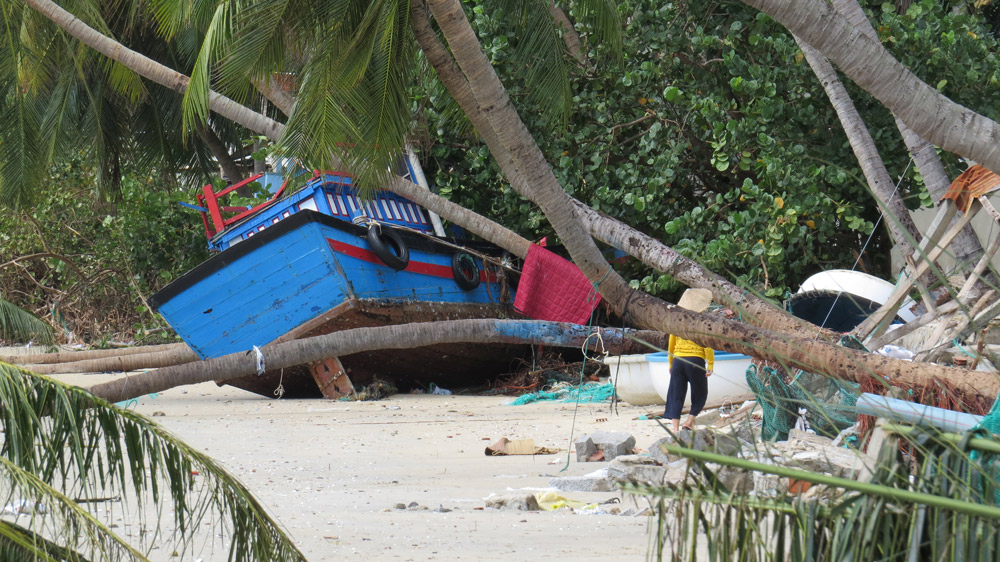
<point x="714" y="136"/>
<point x="98" y="259"/>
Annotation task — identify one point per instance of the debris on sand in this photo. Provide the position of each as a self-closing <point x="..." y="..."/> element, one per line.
<point x="375" y="391"/>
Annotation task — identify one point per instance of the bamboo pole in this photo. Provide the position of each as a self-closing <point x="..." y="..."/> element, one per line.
<point x="978" y="443"/>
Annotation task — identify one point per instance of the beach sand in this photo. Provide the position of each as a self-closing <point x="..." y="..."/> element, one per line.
<point x="333" y="472"/>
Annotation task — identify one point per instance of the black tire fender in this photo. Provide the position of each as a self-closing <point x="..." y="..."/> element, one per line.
<point x="466" y="271"/>
<point x="389" y="247"/>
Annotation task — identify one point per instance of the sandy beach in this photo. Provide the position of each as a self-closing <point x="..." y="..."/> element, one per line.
<point x="334" y="473"/>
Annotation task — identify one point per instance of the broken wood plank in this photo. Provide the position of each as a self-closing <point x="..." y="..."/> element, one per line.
<point x="940" y="341"/>
<point x="987" y="258"/>
<point x="911" y="326"/>
<point x="876" y="324"/>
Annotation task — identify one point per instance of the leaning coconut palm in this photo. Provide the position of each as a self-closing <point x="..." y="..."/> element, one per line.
<point x="19" y="325"/>
<point x="352" y="99"/>
<point x="59" y="99"/>
<point x="62" y="448"/>
<point x="936" y="502"/>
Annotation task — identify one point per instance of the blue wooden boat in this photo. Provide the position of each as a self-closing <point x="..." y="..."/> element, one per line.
<point x="321" y="259"/>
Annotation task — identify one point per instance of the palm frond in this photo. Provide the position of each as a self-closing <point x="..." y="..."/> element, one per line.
<point x="196" y="95"/>
<point x="258" y="45"/>
<point x="599" y="19"/>
<point x="124" y="81"/>
<point x="381" y="109"/>
<point x="945" y="510"/>
<point x="53" y="514"/>
<point x="171" y="17"/>
<point x="17" y="324"/>
<point x="538" y="54"/>
<point x="21" y="149"/>
<point x="18" y="544"/>
<point x="84" y="446"/>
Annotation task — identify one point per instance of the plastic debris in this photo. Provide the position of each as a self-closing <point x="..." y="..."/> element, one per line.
<point x="506" y="446"/>
<point x="551" y="501"/>
<point x="896" y="352"/>
<point x="435" y="389"/>
<point x="24" y="506"/>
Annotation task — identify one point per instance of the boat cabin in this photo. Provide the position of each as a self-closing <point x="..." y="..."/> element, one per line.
<point x="329" y="193"/>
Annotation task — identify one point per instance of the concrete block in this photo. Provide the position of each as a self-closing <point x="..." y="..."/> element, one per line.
<point x="799" y="435"/>
<point x="597" y="481"/>
<point x="845" y="463"/>
<point x="585" y="448"/>
<point x="769" y="485"/>
<point x="613" y="443"/>
<point x="700" y="440"/>
<point x="735" y="480"/>
<point x="639" y="469"/>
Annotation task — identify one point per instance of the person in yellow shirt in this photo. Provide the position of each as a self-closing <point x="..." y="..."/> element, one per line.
<point x="690" y="364"/>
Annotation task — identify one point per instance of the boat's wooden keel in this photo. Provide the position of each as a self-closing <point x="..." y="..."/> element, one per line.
<point x="331" y="378"/>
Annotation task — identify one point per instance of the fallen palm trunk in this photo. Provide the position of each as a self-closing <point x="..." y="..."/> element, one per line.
<point x="131" y="362"/>
<point x="807" y="354"/>
<point x="598" y="341"/>
<point x="75" y="356"/>
<point x="613" y="339"/>
<point x="665" y="259"/>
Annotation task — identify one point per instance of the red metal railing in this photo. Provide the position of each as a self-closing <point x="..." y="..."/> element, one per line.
<point x="209" y="199"/>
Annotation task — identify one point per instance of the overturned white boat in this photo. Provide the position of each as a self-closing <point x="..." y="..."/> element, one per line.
<point x="840" y="299"/>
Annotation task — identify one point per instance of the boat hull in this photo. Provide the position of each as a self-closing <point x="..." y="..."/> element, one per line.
<point x="446" y="365"/>
<point x="840" y="299"/>
<point x="311" y="274"/>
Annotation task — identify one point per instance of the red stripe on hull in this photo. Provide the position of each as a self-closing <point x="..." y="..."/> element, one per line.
<point x="369" y="256"/>
<point x="420" y="267"/>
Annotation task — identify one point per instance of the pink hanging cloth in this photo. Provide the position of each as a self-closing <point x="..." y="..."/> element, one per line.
<point x="552" y="288"/>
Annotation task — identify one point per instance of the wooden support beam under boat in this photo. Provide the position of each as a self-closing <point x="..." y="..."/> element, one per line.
<point x="331" y="378"/>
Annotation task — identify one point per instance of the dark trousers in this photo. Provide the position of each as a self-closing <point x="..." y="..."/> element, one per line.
<point x="685" y="371"/>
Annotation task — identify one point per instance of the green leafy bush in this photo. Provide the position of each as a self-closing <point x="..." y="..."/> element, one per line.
<point x="86" y="265"/>
<point x="714" y="136"/>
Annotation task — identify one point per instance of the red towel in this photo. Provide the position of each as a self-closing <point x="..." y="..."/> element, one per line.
<point x="552" y="288"/>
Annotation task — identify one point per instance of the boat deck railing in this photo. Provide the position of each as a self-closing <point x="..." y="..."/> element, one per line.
<point x="329" y="193"/>
<point x="212" y="212"/>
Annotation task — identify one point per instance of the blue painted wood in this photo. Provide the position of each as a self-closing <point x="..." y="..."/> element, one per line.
<point x="253" y="294"/>
<point x="258" y="296"/>
<point x="333" y="195"/>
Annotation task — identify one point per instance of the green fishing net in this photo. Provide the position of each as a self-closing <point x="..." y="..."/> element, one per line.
<point x="991" y="422"/>
<point x="826" y="404"/>
<point x="990" y="462"/>
<point x="589" y="392"/>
